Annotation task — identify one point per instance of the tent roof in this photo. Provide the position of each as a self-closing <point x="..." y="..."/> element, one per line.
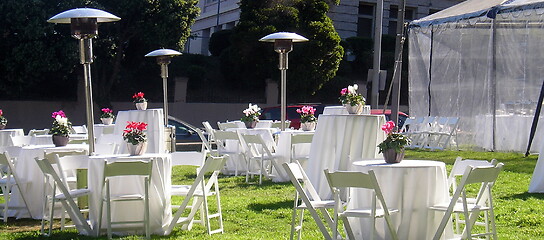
<point x="472" y="9"/>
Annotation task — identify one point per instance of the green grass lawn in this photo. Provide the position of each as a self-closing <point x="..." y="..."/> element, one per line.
<point x="252" y="211"/>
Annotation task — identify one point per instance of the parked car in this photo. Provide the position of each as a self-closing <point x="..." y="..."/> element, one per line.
<point x="273" y="113"/>
<point x="186" y="136"/>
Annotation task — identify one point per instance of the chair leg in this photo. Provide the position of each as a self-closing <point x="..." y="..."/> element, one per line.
<point x="347" y="226"/>
<point x="51" y="215"/>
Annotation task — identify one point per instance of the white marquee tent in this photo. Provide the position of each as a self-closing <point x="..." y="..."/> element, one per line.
<point x="482" y="61"/>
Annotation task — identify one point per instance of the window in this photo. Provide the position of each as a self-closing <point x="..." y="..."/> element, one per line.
<point x="365" y="23"/>
<point x="393" y="17"/>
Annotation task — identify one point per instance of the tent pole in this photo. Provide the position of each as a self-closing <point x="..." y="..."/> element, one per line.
<point x="377" y="55"/>
<point x="430" y="71"/>
<point x="535" y="119"/>
<point x="493" y="76"/>
<point x="395" y="101"/>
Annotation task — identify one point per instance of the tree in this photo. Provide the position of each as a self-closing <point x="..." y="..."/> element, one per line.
<point x="249" y="62"/>
<point x="36" y="53"/>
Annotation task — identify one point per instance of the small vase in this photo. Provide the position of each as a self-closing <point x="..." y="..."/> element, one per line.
<point x="366" y="110"/>
<point x="138" y="149"/>
<point x="141" y="105"/>
<point x="307" y="126"/>
<point x="106" y="121"/>
<point x="391" y="156"/>
<point x="251" y="124"/>
<point x="357" y="109"/>
<point x="60" y="141"/>
<point x="2" y="126"/>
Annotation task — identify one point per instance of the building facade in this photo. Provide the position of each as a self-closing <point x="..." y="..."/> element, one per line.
<point x="351" y="18"/>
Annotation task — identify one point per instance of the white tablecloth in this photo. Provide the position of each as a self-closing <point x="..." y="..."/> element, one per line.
<point x="335" y="110"/>
<point x="283" y="150"/>
<point x="6" y="134"/>
<point x="155" y="128"/>
<point x="159" y="193"/>
<point x="512" y="133"/>
<point x="340" y="140"/>
<point x="31" y="176"/>
<point x="537" y="180"/>
<point x="411" y="186"/>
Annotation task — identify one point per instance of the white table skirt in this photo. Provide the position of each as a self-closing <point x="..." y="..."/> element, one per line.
<point x="411" y="186"/>
<point x="283" y="150"/>
<point x="6" y="134"/>
<point x="537" y="180"/>
<point x="340" y="140"/>
<point x="31" y="177"/>
<point x="159" y="193"/>
<point x="155" y="128"/>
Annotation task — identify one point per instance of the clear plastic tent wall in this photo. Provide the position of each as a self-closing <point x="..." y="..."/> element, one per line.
<point x="486" y="71"/>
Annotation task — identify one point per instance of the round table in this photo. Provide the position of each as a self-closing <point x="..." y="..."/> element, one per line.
<point x="411" y="186"/>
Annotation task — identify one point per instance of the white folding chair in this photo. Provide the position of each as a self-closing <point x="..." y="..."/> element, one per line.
<point x="202" y="188"/>
<point x="299" y="141"/>
<point x="456" y="172"/>
<point x="209" y="129"/>
<point x="444" y="137"/>
<point x="226" y="125"/>
<point x="36" y="132"/>
<point x="484" y="176"/>
<point x="258" y="151"/>
<point x="130" y="168"/>
<point x="307" y="198"/>
<point x="20" y="141"/>
<point x="9" y="179"/>
<point x="420" y="135"/>
<point x="106" y="148"/>
<point x="343" y="180"/>
<point x="79" y="129"/>
<point x="277" y="124"/>
<point x="229" y="143"/>
<point x="66" y="196"/>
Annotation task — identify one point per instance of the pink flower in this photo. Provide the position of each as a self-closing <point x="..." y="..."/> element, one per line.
<point x="1" y="113"/>
<point x="388" y="127"/>
<point x="138" y="95"/>
<point x="343" y="91"/>
<point x="106" y="110"/>
<point x="59" y="113"/>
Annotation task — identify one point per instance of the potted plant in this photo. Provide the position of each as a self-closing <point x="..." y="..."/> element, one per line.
<point x="140" y="101"/>
<point x="107" y="116"/>
<point x="307" y="118"/>
<point x="135" y="137"/>
<point x="353" y="101"/>
<point x="393" y="145"/>
<point x="251" y="115"/>
<point x="3" y="120"/>
<point x="60" y="129"/>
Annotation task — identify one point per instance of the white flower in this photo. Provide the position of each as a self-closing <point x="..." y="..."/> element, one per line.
<point x="61" y="120"/>
<point x="353" y="89"/>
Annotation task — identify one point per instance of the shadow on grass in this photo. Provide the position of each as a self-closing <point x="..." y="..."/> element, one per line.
<point x="524" y="196"/>
<point x="259" y="207"/>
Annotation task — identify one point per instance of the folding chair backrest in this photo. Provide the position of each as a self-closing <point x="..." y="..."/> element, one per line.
<point x="35" y="132"/>
<point x="19" y="140"/>
<point x="205" y="144"/>
<point x="256" y="144"/>
<point x="301" y="138"/>
<point x="187" y="159"/>
<point x="481" y="174"/>
<point x="128" y="168"/>
<point x="301" y="181"/>
<point x="79" y="129"/>
<point x="209" y="130"/>
<point x="71" y="163"/>
<point x="222" y="136"/>
<point x="106" y="148"/>
<point x="226" y="125"/>
<point x="5" y="162"/>
<point x="461" y="165"/>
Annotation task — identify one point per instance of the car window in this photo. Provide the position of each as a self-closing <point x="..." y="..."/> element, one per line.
<point x="180" y="128"/>
<point x="271" y="114"/>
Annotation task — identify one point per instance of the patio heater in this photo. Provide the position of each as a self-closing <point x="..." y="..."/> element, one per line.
<point x="84" y="25"/>
<point x="283" y="44"/>
<point x="163" y="58"/>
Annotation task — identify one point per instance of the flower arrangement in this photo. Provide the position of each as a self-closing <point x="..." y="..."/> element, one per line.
<point x="134" y="132"/>
<point x="307" y="114"/>
<point x="139" y="97"/>
<point x="3" y="120"/>
<point x="394" y="140"/>
<point x="107" y="113"/>
<point x="251" y="114"/>
<point x="61" y="125"/>
<point x="350" y="96"/>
